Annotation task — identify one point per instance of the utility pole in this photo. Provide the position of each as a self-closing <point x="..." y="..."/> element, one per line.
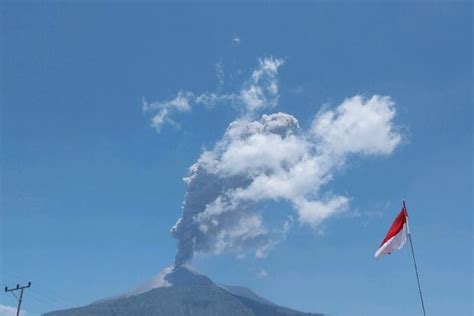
<point x="18" y="288"/>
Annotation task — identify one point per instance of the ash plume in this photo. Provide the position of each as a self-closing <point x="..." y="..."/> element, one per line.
<point x="271" y="158"/>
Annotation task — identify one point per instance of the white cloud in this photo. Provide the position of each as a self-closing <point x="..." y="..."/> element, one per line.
<point x="163" y="109"/>
<point x="9" y="311"/>
<point x="274" y="159"/>
<point x="262" y="273"/>
<point x="358" y="125"/>
<point x="236" y="41"/>
<point x="260" y="91"/>
<point x="314" y="212"/>
<point x="287" y="225"/>
<point x="269" y="159"/>
<point x="210" y="99"/>
<point x="220" y="75"/>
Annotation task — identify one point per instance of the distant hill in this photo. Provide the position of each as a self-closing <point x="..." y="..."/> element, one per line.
<point x="182" y="292"/>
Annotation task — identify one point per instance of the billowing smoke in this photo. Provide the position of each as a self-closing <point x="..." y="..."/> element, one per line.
<point x="260" y="91"/>
<point x="273" y="159"/>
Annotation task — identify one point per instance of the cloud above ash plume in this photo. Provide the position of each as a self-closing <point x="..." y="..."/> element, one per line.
<point x="268" y="157"/>
<point x="258" y="92"/>
<point x="274" y="159"/>
<point x="163" y="109"/>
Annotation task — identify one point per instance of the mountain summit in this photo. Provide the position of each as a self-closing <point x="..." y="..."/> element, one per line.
<point x="180" y="292"/>
<point x="182" y="276"/>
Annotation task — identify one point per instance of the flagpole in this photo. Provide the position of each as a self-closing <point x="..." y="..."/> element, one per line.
<point x="416" y="269"/>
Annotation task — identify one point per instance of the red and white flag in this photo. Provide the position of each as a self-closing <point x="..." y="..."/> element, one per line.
<point x="397" y="235"/>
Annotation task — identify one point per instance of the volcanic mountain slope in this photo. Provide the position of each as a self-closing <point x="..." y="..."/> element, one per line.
<point x="182" y="292"/>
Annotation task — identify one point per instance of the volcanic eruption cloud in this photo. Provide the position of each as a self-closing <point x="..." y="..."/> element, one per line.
<point x="266" y="157"/>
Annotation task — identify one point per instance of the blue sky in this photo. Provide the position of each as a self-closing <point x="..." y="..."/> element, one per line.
<point x="90" y="189"/>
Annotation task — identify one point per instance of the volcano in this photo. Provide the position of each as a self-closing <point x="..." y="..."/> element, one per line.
<point x="181" y="292"/>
